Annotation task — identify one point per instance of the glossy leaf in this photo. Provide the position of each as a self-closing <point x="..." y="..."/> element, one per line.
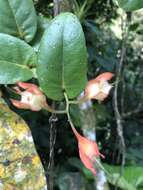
<point x="15" y="58"/>
<point x="62" y="58"/>
<point x="132" y="174"/>
<point x="131" y="5"/>
<point x="11" y="73"/>
<point x="119" y="181"/>
<point x="20" y="165"/>
<point x="18" y="18"/>
<point x="16" y="51"/>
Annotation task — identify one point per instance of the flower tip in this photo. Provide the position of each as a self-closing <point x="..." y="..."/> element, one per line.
<point x="102" y="156"/>
<point x="19" y="104"/>
<point x="104" y="77"/>
<point x="18" y="82"/>
<point x="21" y="84"/>
<point x="24" y="85"/>
<point x="14" y="102"/>
<point x="99" y="87"/>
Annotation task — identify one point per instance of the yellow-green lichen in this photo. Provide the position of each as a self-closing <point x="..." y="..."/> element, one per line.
<point x="20" y="166"/>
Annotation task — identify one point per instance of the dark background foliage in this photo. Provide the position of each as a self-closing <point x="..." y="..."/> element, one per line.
<point x="104" y="45"/>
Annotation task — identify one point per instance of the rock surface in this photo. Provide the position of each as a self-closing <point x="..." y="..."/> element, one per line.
<point x="20" y="165"/>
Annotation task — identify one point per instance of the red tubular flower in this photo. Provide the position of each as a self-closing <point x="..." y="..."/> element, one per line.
<point x="31" y="98"/>
<point x="99" y="87"/>
<point x="88" y="151"/>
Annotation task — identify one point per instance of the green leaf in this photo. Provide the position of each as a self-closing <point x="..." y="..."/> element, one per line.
<point x="16" y="51"/>
<point x="15" y="59"/>
<point x="79" y="165"/>
<point x="133" y="175"/>
<point x="120" y="181"/>
<point x="62" y="58"/>
<point x="10" y="72"/>
<point x="18" y="18"/>
<point x="75" y="115"/>
<point x="130" y="5"/>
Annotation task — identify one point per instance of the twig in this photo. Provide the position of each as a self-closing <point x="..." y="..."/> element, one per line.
<point x="123" y="95"/>
<point x="118" y="116"/>
<point x="52" y="121"/>
<point x="56" y="7"/>
<point x="49" y="109"/>
<point x="135" y="111"/>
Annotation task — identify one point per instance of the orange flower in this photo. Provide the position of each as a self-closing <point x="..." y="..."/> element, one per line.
<point x="31" y="98"/>
<point x="99" y="87"/>
<point x="88" y="151"/>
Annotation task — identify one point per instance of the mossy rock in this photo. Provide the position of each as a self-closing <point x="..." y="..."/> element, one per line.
<point x="20" y="165"/>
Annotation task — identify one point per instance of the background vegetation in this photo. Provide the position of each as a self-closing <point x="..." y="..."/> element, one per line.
<point x="114" y="40"/>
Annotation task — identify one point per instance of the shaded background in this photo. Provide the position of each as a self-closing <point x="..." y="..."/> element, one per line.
<point x="109" y="32"/>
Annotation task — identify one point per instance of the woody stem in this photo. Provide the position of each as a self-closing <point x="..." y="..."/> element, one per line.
<point x="102" y="167"/>
<point x="49" y="109"/>
<point x="80" y="101"/>
<point x="67" y="110"/>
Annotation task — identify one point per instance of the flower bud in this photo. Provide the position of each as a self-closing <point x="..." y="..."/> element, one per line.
<point x="99" y="87"/>
<point x="31" y="98"/>
<point x="88" y="151"/>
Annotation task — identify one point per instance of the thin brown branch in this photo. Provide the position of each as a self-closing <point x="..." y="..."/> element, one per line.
<point x="118" y="115"/>
<point x="135" y="111"/>
<point x="52" y="121"/>
<point x="123" y="94"/>
<point x="56" y="7"/>
<point x="62" y="6"/>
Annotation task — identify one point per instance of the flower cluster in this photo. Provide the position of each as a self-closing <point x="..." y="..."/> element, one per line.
<point x="33" y="98"/>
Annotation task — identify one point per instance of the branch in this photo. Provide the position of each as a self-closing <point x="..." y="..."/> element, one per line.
<point x="52" y="121"/>
<point x="62" y="6"/>
<point x="135" y="111"/>
<point x="56" y="7"/>
<point x="118" y="116"/>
